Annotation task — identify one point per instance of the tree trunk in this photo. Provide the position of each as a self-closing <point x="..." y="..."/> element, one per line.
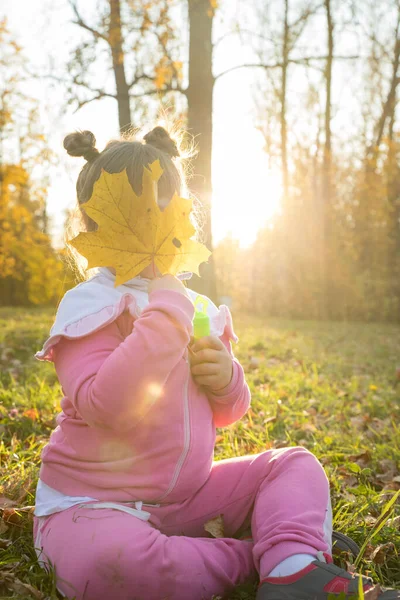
<point x="285" y="258"/>
<point x="200" y="106"/>
<point x="387" y="114"/>
<point x="327" y="173"/>
<point x="391" y="98"/>
<point x="393" y="253"/>
<point x="115" y="41"/>
<point x="285" y="65"/>
<point x="389" y="104"/>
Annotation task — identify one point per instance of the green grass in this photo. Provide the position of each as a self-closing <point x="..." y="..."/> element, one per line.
<point x="330" y="387"/>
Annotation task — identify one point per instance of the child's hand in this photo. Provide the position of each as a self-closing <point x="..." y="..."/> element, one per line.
<point x="167" y="282"/>
<point x="211" y="363"/>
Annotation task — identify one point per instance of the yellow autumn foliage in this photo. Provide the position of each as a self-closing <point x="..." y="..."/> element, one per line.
<point x="30" y="271"/>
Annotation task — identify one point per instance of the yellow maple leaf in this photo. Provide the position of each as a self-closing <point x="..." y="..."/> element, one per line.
<point x="216" y="526"/>
<point x="133" y="232"/>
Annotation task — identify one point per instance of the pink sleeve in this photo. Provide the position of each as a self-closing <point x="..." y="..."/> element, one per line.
<point x="113" y="382"/>
<point x="233" y="401"/>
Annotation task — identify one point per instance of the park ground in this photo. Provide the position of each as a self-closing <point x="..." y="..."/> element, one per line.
<point x="331" y="387"/>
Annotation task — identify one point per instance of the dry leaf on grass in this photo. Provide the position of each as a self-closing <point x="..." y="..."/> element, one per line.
<point x="350" y="567"/>
<point x="363" y="458"/>
<point x="359" y="422"/>
<point x="3" y="527"/>
<point x="254" y="363"/>
<point x="215" y="526"/>
<point x="368" y="551"/>
<point x="31" y="413"/>
<point x="5" y="543"/>
<point x="26" y="589"/>
<point x="6" y="502"/>
<point x="16" y="585"/>
<point x="395" y="522"/>
<point x="11" y="516"/>
<point x="381" y="552"/>
<point x="310" y="427"/>
<point x="388" y="469"/>
<point x="16" y="515"/>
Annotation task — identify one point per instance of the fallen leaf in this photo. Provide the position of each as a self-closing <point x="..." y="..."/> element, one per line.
<point x="368" y="552"/>
<point x="6" y="502"/>
<point x="11" y="516"/>
<point x="395" y="522"/>
<point x="24" y="589"/>
<point x="389" y="468"/>
<point x="359" y="422"/>
<point x="380" y="425"/>
<point x="31" y="413"/>
<point x="349" y="479"/>
<point x="281" y="444"/>
<point x="381" y="552"/>
<point x="253" y="364"/>
<point x="3" y="527"/>
<point x="133" y="232"/>
<point x="348" y="496"/>
<point x="6" y="568"/>
<point x="215" y="526"/>
<point x="272" y="362"/>
<point x="350" y="567"/>
<point x="363" y="458"/>
<point x="309" y="427"/>
<point x="5" y="543"/>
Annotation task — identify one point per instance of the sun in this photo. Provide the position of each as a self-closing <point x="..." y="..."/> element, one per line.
<point x="246" y="192"/>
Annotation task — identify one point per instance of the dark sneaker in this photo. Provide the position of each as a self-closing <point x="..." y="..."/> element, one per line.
<point x="343" y="543"/>
<point x="321" y="580"/>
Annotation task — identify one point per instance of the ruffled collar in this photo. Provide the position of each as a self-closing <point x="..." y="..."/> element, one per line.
<point x="95" y="303"/>
<point x="136" y="283"/>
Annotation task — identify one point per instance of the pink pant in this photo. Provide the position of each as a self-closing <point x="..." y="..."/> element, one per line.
<point x="104" y="553"/>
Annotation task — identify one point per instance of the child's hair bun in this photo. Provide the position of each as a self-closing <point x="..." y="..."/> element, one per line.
<point x="159" y="138"/>
<point x="81" y="143"/>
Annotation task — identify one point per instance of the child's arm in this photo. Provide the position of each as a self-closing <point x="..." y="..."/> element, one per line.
<point x="113" y="383"/>
<point x="212" y="363"/>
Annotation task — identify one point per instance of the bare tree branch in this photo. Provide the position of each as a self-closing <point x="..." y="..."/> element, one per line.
<point x="139" y="78"/>
<point x="167" y="88"/>
<point x="76" y="81"/>
<point x="296" y="61"/>
<point x="84" y="25"/>
<point x="88" y="100"/>
<point x="297" y="27"/>
<point x="248" y="66"/>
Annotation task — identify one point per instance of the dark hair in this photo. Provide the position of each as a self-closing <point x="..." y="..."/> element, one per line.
<point x="118" y="155"/>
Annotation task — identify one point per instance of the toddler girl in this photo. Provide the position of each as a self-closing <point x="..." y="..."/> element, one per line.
<point x="127" y="481"/>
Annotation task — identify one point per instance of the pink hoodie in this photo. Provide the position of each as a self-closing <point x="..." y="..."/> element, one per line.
<point x="134" y="425"/>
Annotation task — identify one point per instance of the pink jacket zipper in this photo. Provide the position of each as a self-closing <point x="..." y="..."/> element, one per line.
<point x="186" y="438"/>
